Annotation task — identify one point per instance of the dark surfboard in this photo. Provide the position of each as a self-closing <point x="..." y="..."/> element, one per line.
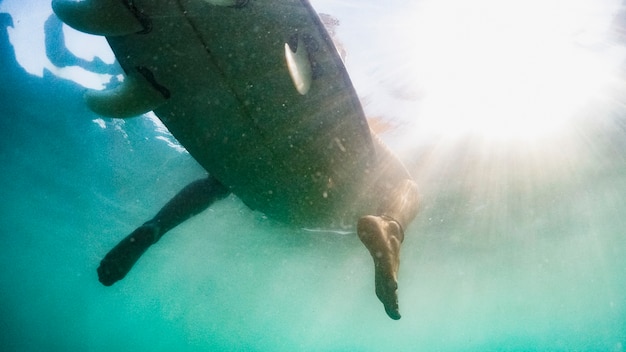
<point x="292" y="143"/>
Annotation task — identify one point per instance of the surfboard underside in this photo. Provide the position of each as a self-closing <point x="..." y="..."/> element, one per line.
<point x="291" y="147"/>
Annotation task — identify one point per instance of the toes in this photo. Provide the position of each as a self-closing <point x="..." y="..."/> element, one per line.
<point x="106" y="275"/>
<point x="114" y="267"/>
<point x="393" y="313"/>
<point x="391" y="306"/>
<point x="118" y="262"/>
<point x="387" y="293"/>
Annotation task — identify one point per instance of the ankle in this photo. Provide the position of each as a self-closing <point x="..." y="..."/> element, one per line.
<point x="155" y="229"/>
<point x="393" y="222"/>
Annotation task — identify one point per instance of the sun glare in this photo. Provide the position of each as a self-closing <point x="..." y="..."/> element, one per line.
<point x="503" y="69"/>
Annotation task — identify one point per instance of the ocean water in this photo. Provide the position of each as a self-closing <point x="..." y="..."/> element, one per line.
<point x="518" y="246"/>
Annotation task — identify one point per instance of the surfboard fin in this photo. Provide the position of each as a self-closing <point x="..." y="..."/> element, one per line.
<point x="137" y="95"/>
<point x="99" y="17"/>
<point x="299" y="66"/>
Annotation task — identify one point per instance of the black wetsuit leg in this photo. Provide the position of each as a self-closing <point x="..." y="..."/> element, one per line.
<point x="191" y="200"/>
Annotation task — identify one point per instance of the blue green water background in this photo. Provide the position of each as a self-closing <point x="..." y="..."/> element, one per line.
<point x="511" y="251"/>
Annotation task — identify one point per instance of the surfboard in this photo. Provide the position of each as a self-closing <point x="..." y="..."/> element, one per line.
<point x="254" y="90"/>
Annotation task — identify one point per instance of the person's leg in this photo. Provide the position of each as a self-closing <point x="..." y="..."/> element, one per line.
<point x="191" y="200"/>
<point x="383" y="234"/>
<point x="382" y="231"/>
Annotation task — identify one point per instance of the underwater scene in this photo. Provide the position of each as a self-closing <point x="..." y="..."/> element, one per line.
<point x="510" y="115"/>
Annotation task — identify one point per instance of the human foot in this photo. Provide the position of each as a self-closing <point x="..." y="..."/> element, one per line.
<point x="382" y="236"/>
<point x="118" y="262"/>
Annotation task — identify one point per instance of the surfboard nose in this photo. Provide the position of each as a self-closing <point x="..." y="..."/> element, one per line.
<point x="99" y="17"/>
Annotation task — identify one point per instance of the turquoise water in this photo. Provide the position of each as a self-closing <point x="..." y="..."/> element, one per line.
<point x="516" y="248"/>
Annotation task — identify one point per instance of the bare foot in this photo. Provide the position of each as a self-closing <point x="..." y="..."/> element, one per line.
<point x="118" y="262"/>
<point x="382" y="236"/>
